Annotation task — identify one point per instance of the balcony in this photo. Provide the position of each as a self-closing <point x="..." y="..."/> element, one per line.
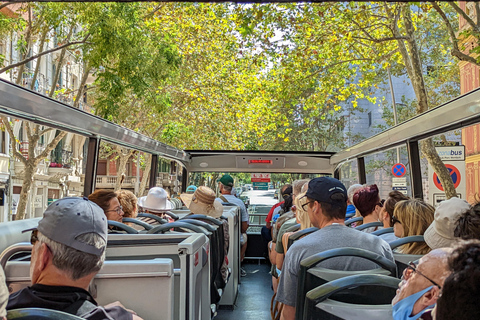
<point x="108" y="182"/>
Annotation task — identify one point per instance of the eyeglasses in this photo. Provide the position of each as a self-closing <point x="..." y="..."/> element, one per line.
<point x="118" y="210"/>
<point x="395" y="220"/>
<point x="412" y="268"/>
<point x="305" y="204"/>
<point x="34" y="237"/>
<point x="380" y="204"/>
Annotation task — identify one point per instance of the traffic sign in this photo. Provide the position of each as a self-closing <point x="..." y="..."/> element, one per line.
<point x="399" y="182"/>
<point x="401" y="189"/>
<point x="260" y="186"/>
<point x="399" y="170"/>
<point x="260" y="180"/>
<point x="454" y="173"/>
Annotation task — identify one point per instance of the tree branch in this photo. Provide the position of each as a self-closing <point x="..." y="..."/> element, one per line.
<point x="43" y="53"/>
<point x="13" y="141"/>
<point x="464" y="15"/>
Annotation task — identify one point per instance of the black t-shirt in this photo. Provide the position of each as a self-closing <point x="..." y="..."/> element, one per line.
<point x="73" y="300"/>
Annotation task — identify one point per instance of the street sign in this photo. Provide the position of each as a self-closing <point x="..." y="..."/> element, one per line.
<point x="455" y="153"/>
<point x="399" y="182"/>
<point x="401" y="189"/>
<point x="454" y="173"/>
<point x="260" y="185"/>
<point x="399" y="170"/>
<point x="260" y="180"/>
<point x="260" y="175"/>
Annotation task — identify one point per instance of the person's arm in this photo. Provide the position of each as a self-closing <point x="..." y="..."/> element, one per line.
<point x="279" y="260"/>
<point x="288" y="312"/>
<point x="272" y="254"/>
<point x="244" y="226"/>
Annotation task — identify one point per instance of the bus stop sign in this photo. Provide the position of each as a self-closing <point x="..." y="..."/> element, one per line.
<point x="399" y="170"/>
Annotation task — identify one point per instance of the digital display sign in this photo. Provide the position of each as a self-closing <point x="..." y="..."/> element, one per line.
<point x="260" y="161"/>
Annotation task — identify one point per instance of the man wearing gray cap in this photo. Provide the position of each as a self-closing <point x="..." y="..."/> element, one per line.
<point x="68" y="251"/>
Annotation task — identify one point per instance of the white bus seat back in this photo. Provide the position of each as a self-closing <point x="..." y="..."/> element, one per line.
<point x="231" y="289"/>
<point x="144" y="286"/>
<point x="356" y="312"/>
<point x="330" y="275"/>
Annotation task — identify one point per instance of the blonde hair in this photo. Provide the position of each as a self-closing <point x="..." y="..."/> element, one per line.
<point x="415" y="217"/>
<point x="128" y="201"/>
<point x="302" y="216"/>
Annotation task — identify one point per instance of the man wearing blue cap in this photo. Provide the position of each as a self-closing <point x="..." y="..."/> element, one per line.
<point x="326" y="207"/>
<point x="68" y="251"/>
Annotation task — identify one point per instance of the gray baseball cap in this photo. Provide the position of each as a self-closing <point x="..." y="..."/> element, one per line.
<point x="67" y="218"/>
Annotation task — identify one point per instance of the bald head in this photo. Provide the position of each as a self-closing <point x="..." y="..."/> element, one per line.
<point x="431" y="267"/>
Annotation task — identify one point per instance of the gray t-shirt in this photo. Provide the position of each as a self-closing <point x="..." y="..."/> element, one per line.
<point x="330" y="237"/>
<point x="238" y="202"/>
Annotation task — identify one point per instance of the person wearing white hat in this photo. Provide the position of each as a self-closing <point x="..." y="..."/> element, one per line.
<point x="440" y="233"/>
<point x="156" y="202"/>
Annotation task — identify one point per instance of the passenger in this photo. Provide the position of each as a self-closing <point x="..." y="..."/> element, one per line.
<point x="225" y="184"/>
<point x="292" y="220"/>
<point x="301" y="218"/>
<point x="108" y="201"/>
<point x="326" y="206"/>
<point x="156" y="202"/>
<point x="367" y="202"/>
<point x="412" y="218"/>
<point x="3" y="296"/>
<point x="421" y="286"/>
<point x="467" y="226"/>
<point x="386" y="213"/>
<point x="128" y="202"/>
<point x="266" y="231"/>
<point x="351" y="210"/>
<point x="461" y="290"/>
<point x="191" y="189"/>
<point x="68" y="251"/>
<point x="441" y="233"/>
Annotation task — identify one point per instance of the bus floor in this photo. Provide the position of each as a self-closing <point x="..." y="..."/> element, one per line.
<point x="254" y="294"/>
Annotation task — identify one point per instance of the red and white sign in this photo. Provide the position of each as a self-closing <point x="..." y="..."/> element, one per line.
<point x="260" y="180"/>
<point x="260" y="177"/>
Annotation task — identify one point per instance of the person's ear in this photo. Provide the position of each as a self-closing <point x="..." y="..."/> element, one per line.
<point x="430" y="297"/>
<point x="45" y="255"/>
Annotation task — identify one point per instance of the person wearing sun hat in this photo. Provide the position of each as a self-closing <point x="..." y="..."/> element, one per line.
<point x="155" y="202"/>
<point x="440" y="233"/>
<point x="202" y="201"/>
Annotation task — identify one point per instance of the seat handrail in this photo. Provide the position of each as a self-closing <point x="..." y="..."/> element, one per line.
<point x="203" y="217"/>
<point x="177" y="224"/>
<point x="11" y="250"/>
<point x="300" y="233"/>
<point x="122" y="227"/>
<point x="143" y="224"/>
<point x="368" y="225"/>
<point x="200" y="223"/>
<point x="323" y="292"/>
<point x="152" y="216"/>
<point x="405" y="240"/>
<point x="352" y="220"/>
<point x="382" y="231"/>
<point x="171" y="215"/>
<point x="29" y="313"/>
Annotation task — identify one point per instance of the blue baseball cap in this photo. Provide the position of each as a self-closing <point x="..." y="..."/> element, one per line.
<point x="191" y="189"/>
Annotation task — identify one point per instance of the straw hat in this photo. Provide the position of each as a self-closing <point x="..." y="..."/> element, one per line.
<point x="440" y="233"/>
<point x="156" y="200"/>
<point x="203" y="202"/>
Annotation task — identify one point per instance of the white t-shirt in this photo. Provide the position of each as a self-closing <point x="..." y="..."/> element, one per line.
<point x="238" y="202"/>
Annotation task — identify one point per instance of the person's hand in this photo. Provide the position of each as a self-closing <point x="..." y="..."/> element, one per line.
<point x="119" y="304"/>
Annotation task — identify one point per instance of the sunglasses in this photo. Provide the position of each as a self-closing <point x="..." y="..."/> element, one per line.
<point x="34" y="237"/>
<point x="412" y="268"/>
<point x="395" y="220"/>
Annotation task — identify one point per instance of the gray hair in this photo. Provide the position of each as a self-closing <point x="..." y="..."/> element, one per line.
<point x="76" y="263"/>
<point x="351" y="191"/>
<point x="298" y="184"/>
<point x="227" y="188"/>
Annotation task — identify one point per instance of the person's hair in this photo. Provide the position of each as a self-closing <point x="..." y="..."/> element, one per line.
<point x="287" y="198"/>
<point x="366" y="199"/>
<point x="102" y="198"/>
<point x="298" y="184"/>
<point x="285" y="186"/>
<point x="393" y="198"/>
<point x="302" y="215"/>
<point x="351" y="191"/>
<point x="460" y="291"/>
<point x="415" y="216"/>
<point x="336" y="210"/>
<point x="468" y="224"/>
<point x="128" y="201"/>
<point x="227" y="188"/>
<point x="75" y="263"/>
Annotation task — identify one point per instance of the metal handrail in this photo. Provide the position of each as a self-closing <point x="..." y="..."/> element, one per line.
<point x="11" y="250"/>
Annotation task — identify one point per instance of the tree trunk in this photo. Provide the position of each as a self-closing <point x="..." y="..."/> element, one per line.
<point x="123" y="155"/>
<point x="81" y="90"/>
<point x="30" y="169"/>
<point x="37" y="65"/>
<point x="146" y="175"/>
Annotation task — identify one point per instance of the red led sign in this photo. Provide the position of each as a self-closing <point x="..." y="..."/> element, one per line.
<point x="259" y="161"/>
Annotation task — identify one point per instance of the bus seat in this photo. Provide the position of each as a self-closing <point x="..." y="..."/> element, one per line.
<point x="143" y="224"/>
<point x="191" y="263"/>
<point x="354" y="297"/>
<point x="300" y="234"/>
<point x="179" y="225"/>
<point x="382" y="231"/>
<point x="144" y="286"/>
<point x="122" y="227"/>
<point x="311" y="275"/>
<point x="368" y="225"/>
<point x="11" y="232"/>
<point x="352" y="220"/>
<point x="171" y="215"/>
<point x="39" y="314"/>
<point x="402" y="259"/>
<point x="152" y="216"/>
